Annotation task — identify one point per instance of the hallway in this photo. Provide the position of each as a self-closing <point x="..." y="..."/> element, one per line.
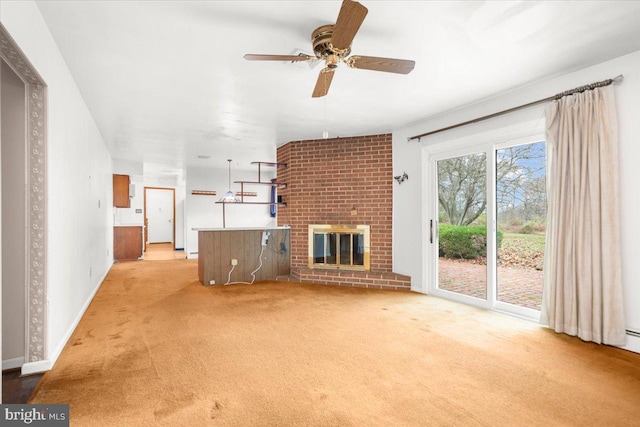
<point x="162" y="252"/>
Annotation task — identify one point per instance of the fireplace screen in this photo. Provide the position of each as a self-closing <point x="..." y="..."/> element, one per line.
<point x="339" y="247"/>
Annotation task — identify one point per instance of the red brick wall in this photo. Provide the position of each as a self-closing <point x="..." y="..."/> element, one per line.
<point x="326" y="179"/>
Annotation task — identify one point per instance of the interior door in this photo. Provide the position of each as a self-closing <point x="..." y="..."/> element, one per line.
<point x="159" y="209"/>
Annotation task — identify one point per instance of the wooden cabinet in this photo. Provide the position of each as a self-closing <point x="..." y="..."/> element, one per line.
<point x="121" y="191"/>
<point x="127" y="243"/>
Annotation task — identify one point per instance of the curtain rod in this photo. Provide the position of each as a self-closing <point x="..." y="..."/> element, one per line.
<point x="530" y="104"/>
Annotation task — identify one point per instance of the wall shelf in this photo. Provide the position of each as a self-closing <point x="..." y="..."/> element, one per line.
<point x="251" y="203"/>
<point x="273" y="184"/>
<point x="268" y="164"/>
<point x="242" y="193"/>
<point x="274" y="164"/>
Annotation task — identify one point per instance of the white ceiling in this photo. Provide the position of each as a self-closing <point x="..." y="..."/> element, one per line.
<point x="166" y="80"/>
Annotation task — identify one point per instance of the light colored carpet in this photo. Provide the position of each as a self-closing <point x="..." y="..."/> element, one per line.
<point x="162" y="252"/>
<point x="156" y="348"/>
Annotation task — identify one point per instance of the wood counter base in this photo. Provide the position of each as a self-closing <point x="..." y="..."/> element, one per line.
<point x="216" y="249"/>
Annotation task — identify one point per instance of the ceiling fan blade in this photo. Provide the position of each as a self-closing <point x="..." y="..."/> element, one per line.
<point x="390" y="65"/>
<point x="323" y="83"/>
<point x="291" y="58"/>
<point x="350" y="18"/>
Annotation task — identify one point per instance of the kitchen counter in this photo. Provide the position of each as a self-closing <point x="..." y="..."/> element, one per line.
<point x="217" y="247"/>
<point x="242" y="228"/>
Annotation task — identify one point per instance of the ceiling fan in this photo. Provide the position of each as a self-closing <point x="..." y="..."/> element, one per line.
<point x="332" y="44"/>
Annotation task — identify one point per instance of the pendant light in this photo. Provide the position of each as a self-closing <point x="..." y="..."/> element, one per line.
<point x="230" y="196"/>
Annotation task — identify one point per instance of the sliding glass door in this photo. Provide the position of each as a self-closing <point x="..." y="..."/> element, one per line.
<point x="462" y="216"/>
<point x="487" y="226"/>
<point x="521" y="205"/>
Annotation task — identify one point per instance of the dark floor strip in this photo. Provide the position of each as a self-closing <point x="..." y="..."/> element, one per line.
<point x="18" y="389"/>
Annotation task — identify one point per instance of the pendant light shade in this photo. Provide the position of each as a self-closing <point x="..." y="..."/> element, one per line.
<point x="230" y="196"/>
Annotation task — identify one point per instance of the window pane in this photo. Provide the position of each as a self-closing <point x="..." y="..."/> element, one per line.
<point x="521" y="213"/>
<point x="345" y="249"/>
<point x="318" y="248"/>
<point x="462" y="266"/>
<point x="330" y="254"/>
<point x="358" y="249"/>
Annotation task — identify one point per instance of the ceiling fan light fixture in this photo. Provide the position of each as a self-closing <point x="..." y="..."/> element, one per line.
<point x="332" y="61"/>
<point x="332" y="44"/>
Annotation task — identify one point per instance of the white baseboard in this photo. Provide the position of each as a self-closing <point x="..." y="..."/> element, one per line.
<point x="53" y="356"/>
<point x="633" y="344"/>
<point x="12" y="363"/>
<point x="36" y="367"/>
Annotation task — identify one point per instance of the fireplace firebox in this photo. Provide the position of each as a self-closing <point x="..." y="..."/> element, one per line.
<point x="339" y="247"/>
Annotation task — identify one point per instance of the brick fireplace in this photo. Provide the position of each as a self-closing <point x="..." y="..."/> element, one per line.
<point x="340" y="182"/>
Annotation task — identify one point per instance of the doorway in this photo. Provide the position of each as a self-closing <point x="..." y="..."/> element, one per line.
<point x="14" y="236"/>
<point x="487" y="226"/>
<point x="34" y="251"/>
<point x="159" y="214"/>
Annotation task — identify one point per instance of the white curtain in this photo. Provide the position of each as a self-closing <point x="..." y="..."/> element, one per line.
<point x="583" y="289"/>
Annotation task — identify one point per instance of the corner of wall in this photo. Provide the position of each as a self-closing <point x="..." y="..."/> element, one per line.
<point x="408" y="210"/>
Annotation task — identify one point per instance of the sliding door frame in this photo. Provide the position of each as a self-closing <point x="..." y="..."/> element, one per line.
<point x="433" y="154"/>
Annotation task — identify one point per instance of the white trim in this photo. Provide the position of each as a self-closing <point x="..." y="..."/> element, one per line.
<point x="457" y="297"/>
<point x="633" y="344"/>
<point x="491" y="227"/>
<point x="36" y="367"/>
<point x="12" y="363"/>
<point x="423" y="286"/>
<point x="430" y="256"/>
<point x="517" y="310"/>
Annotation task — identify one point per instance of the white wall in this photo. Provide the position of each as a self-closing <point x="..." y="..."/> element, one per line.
<point x="410" y="204"/>
<point x="203" y="212"/>
<point x="79" y="232"/>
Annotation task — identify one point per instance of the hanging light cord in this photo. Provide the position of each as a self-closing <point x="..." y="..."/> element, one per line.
<point x="325" y="132"/>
